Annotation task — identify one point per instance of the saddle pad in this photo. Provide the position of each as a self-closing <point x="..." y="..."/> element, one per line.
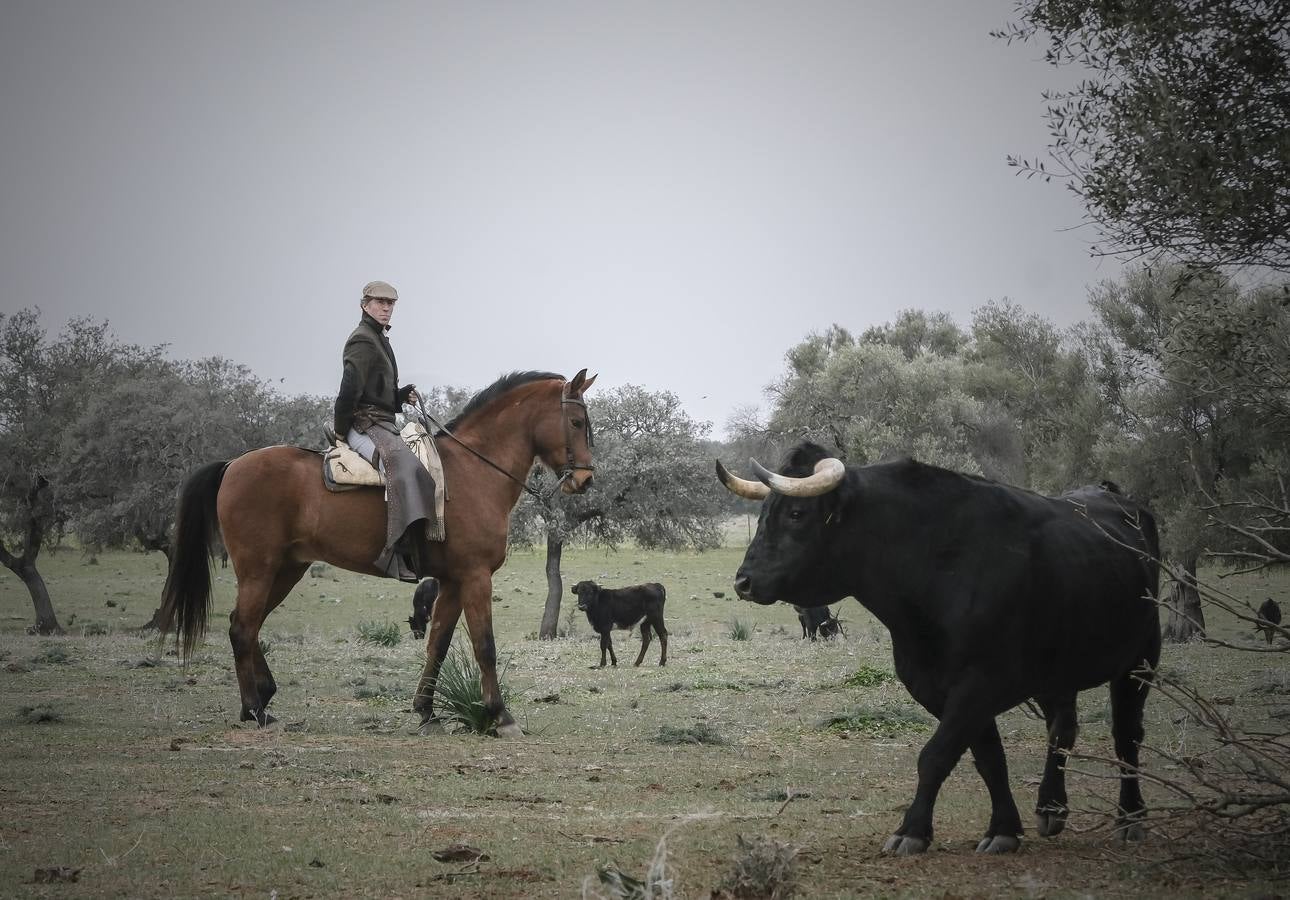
<point x="344" y="468"/>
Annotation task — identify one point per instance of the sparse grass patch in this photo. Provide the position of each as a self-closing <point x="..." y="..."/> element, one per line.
<point x="701" y="733"/>
<point x="868" y="676"/>
<point x="764" y="869"/>
<point x="266" y="647"/>
<point x="878" y="721"/>
<point x="460" y="695"/>
<point x="34" y="715"/>
<point x="740" y="630"/>
<point x="385" y="634"/>
<point x="381" y="692"/>
<point x="52" y="655"/>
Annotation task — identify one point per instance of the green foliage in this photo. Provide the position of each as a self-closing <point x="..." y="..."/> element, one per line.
<point x="386" y="634"/>
<point x="740" y="630"/>
<point x="701" y="733"/>
<point x="868" y="676"/>
<point x="52" y="655"/>
<point x="885" y="721"/>
<point x="459" y="695"/>
<point x="1175" y="139"/>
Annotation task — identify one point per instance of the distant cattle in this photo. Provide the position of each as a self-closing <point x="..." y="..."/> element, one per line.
<point x="610" y="608"/>
<point x="818" y="620"/>
<point x="422" y="601"/>
<point x="1269" y="618"/>
<point x="991" y="594"/>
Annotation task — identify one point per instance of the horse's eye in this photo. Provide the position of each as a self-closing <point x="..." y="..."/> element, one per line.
<point x="577" y="423"/>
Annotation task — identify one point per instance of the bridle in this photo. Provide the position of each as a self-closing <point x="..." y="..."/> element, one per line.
<point x="570" y="466"/>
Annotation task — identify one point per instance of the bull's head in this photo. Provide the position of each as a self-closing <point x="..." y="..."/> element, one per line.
<point x="788" y="557"/>
<point x="586" y="592"/>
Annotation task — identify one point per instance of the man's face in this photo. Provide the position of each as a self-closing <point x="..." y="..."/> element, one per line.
<point x="380" y="309"/>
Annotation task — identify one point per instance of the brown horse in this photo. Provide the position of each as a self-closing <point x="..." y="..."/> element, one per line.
<point x="276" y="518"/>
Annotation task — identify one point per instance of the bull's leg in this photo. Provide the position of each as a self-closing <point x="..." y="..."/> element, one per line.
<point x="1063" y="727"/>
<point x="604" y="647"/>
<point x="607" y="642"/>
<point x="963" y="718"/>
<point x="1003" y="834"/>
<point x="1128" y="698"/>
<point x="443" y="621"/>
<point x="254" y="603"/>
<point x="477" y="604"/>
<point x="644" y="641"/>
<point x="662" y="639"/>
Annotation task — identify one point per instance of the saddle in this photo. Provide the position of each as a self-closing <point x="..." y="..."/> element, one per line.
<point x="345" y="469"/>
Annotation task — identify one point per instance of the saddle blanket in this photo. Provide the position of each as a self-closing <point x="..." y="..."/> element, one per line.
<point x="345" y="469"/>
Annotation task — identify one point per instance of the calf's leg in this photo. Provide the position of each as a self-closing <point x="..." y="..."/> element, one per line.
<point x="644" y="641"/>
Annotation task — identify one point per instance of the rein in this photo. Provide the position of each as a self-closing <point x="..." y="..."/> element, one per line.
<point x="569" y="468"/>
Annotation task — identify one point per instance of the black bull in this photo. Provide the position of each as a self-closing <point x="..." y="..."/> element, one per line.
<point x="992" y="594"/>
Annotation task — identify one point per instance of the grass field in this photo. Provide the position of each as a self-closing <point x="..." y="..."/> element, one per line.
<point x="133" y="775"/>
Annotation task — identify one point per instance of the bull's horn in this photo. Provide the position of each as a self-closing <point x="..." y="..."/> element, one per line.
<point x="749" y="490"/>
<point x="828" y="475"/>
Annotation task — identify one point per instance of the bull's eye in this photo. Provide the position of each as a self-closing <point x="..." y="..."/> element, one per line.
<point x="794" y="514"/>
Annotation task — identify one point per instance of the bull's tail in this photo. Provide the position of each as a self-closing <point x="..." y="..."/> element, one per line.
<point x="186" y="599"/>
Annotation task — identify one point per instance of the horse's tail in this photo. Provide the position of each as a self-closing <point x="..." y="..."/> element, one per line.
<point x="186" y="599"/>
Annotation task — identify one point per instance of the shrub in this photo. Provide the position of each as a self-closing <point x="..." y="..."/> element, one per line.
<point x="386" y="634"/>
<point x="460" y="695"/>
<point x="739" y="631"/>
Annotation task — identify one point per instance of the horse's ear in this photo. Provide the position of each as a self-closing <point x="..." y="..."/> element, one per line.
<point x="586" y="385"/>
<point x="576" y="386"/>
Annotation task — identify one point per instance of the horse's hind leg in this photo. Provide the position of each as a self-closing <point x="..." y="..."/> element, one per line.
<point x="443" y="621"/>
<point x="256" y="598"/>
<point x="1051" y="807"/>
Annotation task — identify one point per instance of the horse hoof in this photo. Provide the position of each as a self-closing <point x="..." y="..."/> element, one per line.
<point x="1000" y="843"/>
<point x="510" y="731"/>
<point x="1050" y="824"/>
<point x="904" y="845"/>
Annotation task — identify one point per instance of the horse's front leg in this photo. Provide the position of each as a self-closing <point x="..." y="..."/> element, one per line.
<point x="477" y="603"/>
<point x="443" y="621"/>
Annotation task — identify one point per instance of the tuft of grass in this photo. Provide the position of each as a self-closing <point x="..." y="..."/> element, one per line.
<point x="34" y="715"/>
<point x="868" y="676"/>
<point x="656" y="885"/>
<point x="53" y="655"/>
<point x="878" y="721"/>
<point x="386" y="634"/>
<point x="381" y="692"/>
<point x="764" y="869"/>
<point x="702" y="733"/>
<point x="739" y="630"/>
<point x="460" y="695"/>
<point x="266" y="647"/>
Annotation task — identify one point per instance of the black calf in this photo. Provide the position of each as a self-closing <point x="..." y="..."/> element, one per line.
<point x="608" y="609"/>
<point x="422" y="601"/>
<point x="1269" y="618"/>
<point x="818" y="620"/>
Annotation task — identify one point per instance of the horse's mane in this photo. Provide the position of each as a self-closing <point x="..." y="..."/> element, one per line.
<point x="496" y="389"/>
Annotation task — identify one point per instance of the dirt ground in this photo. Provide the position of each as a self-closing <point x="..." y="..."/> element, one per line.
<point x="124" y="774"/>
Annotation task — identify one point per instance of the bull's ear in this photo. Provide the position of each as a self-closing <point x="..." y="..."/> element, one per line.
<point x="573" y="591"/>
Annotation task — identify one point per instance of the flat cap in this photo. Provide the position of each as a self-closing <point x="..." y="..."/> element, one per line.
<point x="380" y="289"/>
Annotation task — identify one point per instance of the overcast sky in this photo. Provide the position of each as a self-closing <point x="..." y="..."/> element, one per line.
<point x="669" y="193"/>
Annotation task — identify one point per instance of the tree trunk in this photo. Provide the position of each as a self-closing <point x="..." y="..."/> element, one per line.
<point x="1186" y="617"/>
<point x="554" y="588"/>
<point x="24" y="565"/>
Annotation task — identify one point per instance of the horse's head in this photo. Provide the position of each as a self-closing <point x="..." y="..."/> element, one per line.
<point x="566" y="445"/>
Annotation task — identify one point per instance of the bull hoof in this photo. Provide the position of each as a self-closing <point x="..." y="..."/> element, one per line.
<point x="904" y="845"/>
<point x="1000" y="843"/>
<point x="509" y="731"/>
<point x="430" y="726"/>
<point x="1050" y="823"/>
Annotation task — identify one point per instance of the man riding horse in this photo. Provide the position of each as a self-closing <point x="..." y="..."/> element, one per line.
<point x="366" y="403"/>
